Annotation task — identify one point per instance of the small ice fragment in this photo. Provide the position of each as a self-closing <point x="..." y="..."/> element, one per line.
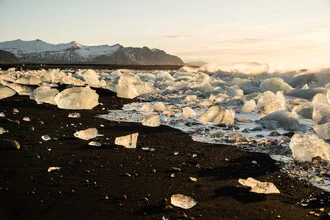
<point x="147" y="109"/>
<point x="159" y="106"/>
<point x="86" y="134"/>
<point x="2" y="130"/>
<point x="26" y="119"/>
<point x="74" y="115"/>
<point x="249" y="106"/>
<point x="45" y="137"/>
<point x="194" y="179"/>
<point x="259" y="187"/>
<point x="182" y="201"/>
<point x="128" y="141"/>
<point x="151" y="121"/>
<point x="95" y="144"/>
<point x="2" y="115"/>
<point x="15" y="110"/>
<point x="146" y="148"/>
<point x="50" y="169"/>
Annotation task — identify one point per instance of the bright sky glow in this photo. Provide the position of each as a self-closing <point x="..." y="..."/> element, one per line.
<point x="283" y="33"/>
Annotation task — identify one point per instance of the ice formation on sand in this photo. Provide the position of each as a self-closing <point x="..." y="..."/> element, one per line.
<point x="218" y="115"/>
<point x="274" y="85"/>
<point x="87" y="134"/>
<point x="249" y="106"/>
<point x="188" y="113"/>
<point x="259" y="187"/>
<point x="306" y="147"/>
<point x="44" y="94"/>
<point x="182" y="201"/>
<point x="91" y="78"/>
<point x="281" y="119"/>
<point x="128" y="141"/>
<point x="321" y="109"/>
<point x="323" y="130"/>
<point x="77" y="98"/>
<point x="270" y="102"/>
<point x="130" y="86"/>
<point x="151" y="121"/>
<point x="6" y="92"/>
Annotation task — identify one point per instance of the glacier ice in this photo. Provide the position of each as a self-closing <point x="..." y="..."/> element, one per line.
<point x="77" y="98"/>
<point x="182" y="201"/>
<point x="323" y="130"/>
<point x="91" y="78"/>
<point x="86" y="134"/>
<point x="249" y="106"/>
<point x="44" y="94"/>
<point x="281" y="119"/>
<point x="259" y="187"/>
<point x="218" y="115"/>
<point x="151" y="121"/>
<point x="6" y="92"/>
<point x="274" y="85"/>
<point x="128" y="141"/>
<point x="270" y="102"/>
<point x="187" y="112"/>
<point x="307" y="146"/>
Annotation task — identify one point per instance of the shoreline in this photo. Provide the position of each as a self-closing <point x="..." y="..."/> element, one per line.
<point x="114" y="182"/>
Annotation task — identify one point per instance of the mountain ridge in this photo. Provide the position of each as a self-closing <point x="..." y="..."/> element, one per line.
<point x="38" y="51"/>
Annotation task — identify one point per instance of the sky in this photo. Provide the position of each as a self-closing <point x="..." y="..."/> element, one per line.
<point x="281" y="33"/>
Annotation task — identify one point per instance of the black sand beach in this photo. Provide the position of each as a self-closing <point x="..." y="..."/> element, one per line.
<point x="111" y="182"/>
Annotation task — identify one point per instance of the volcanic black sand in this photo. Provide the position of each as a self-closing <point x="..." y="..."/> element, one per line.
<point x="111" y="182"/>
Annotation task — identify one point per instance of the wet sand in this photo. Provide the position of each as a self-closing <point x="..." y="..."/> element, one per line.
<point x="111" y="182"/>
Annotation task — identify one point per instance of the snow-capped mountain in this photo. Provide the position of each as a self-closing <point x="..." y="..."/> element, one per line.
<point x="38" y="51"/>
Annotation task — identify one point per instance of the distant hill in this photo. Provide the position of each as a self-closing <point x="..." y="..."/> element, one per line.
<point x="38" y="51"/>
<point x="7" y="57"/>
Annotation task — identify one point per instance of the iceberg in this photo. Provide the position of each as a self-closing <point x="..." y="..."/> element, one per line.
<point x="6" y="92"/>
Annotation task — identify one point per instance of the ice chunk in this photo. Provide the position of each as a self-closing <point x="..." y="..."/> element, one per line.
<point x="74" y="115"/>
<point x="321" y="108"/>
<point x="128" y="141"/>
<point x="187" y="112"/>
<point x="2" y="130"/>
<point x="86" y="134"/>
<point x="306" y="93"/>
<point x="281" y="119"/>
<point x="20" y="89"/>
<point x="46" y="137"/>
<point x="182" y="201"/>
<point x="147" y="109"/>
<point x="77" y="98"/>
<point x="249" y="106"/>
<point x="91" y="78"/>
<point x="44" y="94"/>
<point x="95" y="144"/>
<point x="151" y="121"/>
<point x="259" y="187"/>
<point x="274" y="85"/>
<point x="159" y="107"/>
<point x="51" y="169"/>
<point x="234" y="91"/>
<point x="6" y="92"/>
<point x="323" y="130"/>
<point x="270" y="102"/>
<point x="307" y="146"/>
<point x="130" y="86"/>
<point x="218" y="115"/>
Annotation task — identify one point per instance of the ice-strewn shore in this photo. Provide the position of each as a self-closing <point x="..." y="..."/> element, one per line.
<point x="259" y="113"/>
